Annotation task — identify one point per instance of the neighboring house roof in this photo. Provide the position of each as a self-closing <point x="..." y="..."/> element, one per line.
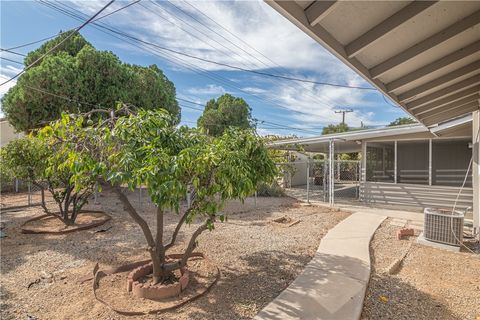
<point x="424" y="55"/>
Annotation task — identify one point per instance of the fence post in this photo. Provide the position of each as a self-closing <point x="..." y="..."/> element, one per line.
<point x="29" y="194"/>
<point x="189" y="199"/>
<point x="324" y="178"/>
<point x="308" y="181"/>
<point x="255" y="200"/>
<point x="16" y="185"/>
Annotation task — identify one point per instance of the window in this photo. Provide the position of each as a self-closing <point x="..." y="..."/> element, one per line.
<point x="412" y="162"/>
<point x="450" y="161"/>
<point x="380" y="161"/>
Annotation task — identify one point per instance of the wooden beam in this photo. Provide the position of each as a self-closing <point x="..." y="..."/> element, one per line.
<point x="447" y="115"/>
<point x="454" y="88"/>
<point x="465" y="70"/>
<point x="386" y="26"/>
<point x="427" y="44"/>
<point x="449" y="106"/>
<point x="443" y="101"/>
<point x="469" y="50"/>
<point x="319" y="10"/>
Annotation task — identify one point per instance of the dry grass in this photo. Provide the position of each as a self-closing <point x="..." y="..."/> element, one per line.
<point x="257" y="258"/>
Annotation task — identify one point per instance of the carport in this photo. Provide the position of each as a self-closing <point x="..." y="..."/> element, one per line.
<point x="423" y="55"/>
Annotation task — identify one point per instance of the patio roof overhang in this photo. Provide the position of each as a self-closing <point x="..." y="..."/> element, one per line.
<point x="424" y="55"/>
<point x="350" y="141"/>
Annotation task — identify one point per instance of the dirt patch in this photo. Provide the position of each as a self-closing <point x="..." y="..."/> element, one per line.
<point x="430" y="284"/>
<point x="52" y="225"/>
<point x="257" y="260"/>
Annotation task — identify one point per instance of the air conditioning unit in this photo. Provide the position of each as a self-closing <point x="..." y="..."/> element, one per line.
<point x="444" y="226"/>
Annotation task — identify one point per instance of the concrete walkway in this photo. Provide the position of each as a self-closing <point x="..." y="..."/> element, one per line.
<point x="333" y="284"/>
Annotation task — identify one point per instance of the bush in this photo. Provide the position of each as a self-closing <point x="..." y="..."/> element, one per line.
<point x="270" y="190"/>
<point x="7" y="179"/>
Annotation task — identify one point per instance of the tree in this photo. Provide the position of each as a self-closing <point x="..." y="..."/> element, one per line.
<point x="401" y="120"/>
<point x="40" y="160"/>
<point x="78" y="72"/>
<point x="146" y="148"/>
<point x="335" y="128"/>
<point x="227" y="111"/>
<point x="24" y="158"/>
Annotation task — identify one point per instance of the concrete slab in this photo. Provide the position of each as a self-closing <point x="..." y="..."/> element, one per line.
<point x="333" y="284"/>
<point x="421" y="240"/>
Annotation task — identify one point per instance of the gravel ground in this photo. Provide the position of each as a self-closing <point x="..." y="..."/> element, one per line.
<point x="257" y="257"/>
<point x="432" y="283"/>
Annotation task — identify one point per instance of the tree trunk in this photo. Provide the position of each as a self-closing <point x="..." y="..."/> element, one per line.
<point x="158" y="269"/>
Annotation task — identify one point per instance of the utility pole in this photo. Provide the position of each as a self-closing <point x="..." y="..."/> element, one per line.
<point x="343" y="114"/>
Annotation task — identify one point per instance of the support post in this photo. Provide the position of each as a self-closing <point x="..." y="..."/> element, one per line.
<point x="395" y="162"/>
<point x="363" y="172"/>
<point x="331" y="178"/>
<point x="308" y="180"/>
<point x="429" y="162"/>
<point x="476" y="169"/>
<point x="16" y="185"/>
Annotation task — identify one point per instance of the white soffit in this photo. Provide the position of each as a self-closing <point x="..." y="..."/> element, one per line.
<point x="425" y="55"/>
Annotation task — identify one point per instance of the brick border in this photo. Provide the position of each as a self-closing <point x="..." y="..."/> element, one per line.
<point x="99" y="274"/>
<point x="158" y="291"/>
<point x="26" y="230"/>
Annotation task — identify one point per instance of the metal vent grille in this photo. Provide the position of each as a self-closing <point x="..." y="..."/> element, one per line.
<point x="443" y="226"/>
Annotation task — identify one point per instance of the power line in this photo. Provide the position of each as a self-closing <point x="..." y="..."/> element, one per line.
<point x="207" y="27"/>
<point x="55" y="35"/>
<point x="31" y="43"/>
<point x="229" y="49"/>
<point x="188" y="66"/>
<point x="191" y="26"/>
<point x="13" y="52"/>
<point x="129" y="37"/>
<point x="3" y="58"/>
<point x="60" y="43"/>
<point x="249" y="70"/>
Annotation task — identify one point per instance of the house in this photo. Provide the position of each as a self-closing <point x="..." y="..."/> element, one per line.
<point x="405" y="166"/>
<point x="424" y="56"/>
<point x="7" y="132"/>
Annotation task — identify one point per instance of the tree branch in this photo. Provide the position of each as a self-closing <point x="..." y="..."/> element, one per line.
<point x="177" y="229"/>
<point x="133" y="213"/>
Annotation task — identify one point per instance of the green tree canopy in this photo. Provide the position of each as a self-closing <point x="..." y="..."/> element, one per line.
<point x="226" y="111"/>
<point x="81" y="78"/>
<point x="401" y="120"/>
<point x="335" y="128"/>
<point x="146" y="149"/>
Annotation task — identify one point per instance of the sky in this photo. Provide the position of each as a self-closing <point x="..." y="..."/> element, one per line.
<point x="246" y="34"/>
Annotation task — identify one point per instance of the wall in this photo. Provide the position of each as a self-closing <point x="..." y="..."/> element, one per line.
<point x="7" y="133"/>
<point x="415" y="196"/>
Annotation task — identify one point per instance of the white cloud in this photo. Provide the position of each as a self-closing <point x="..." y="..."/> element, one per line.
<point x="210" y="89"/>
<point x="268" y="40"/>
<point x="6" y="73"/>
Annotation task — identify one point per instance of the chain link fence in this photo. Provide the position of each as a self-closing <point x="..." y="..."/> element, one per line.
<point x="309" y="180"/>
<point x="20" y="194"/>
